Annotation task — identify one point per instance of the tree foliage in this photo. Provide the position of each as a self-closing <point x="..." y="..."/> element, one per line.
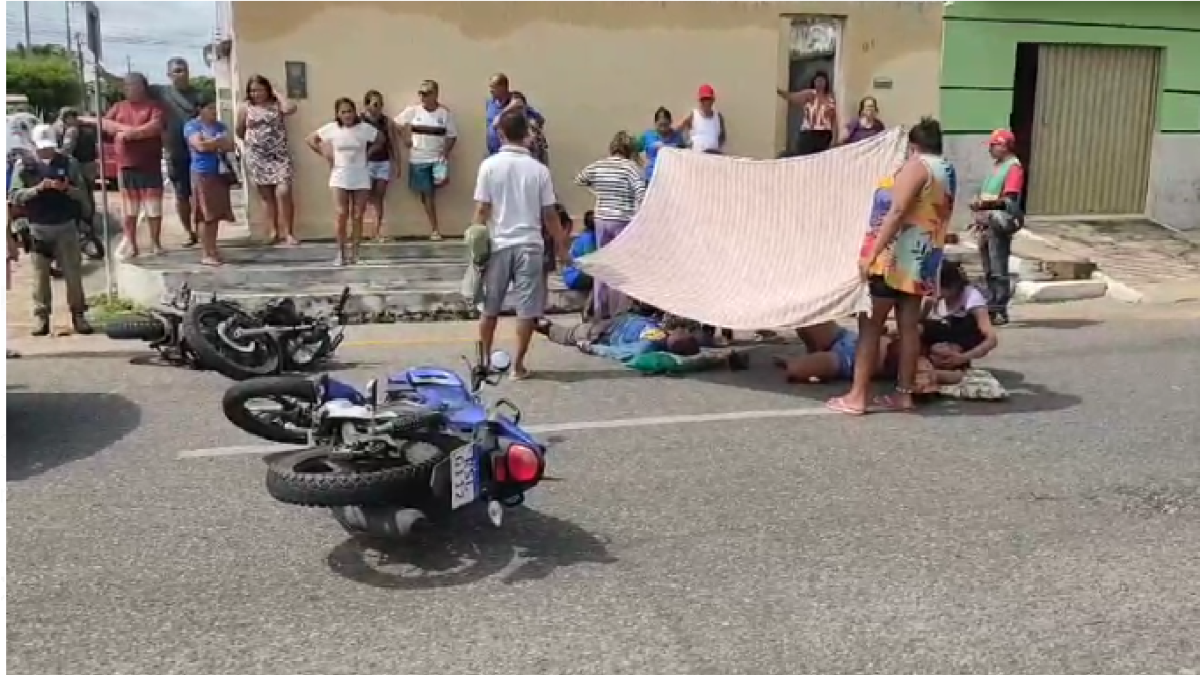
<point x="45" y="74"/>
<point x="206" y="86"/>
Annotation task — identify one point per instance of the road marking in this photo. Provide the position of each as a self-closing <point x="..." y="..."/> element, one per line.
<point x="589" y="425"/>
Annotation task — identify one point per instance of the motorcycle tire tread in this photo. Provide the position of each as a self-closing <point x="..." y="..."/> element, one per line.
<point x="233" y="404"/>
<point x="135" y="327"/>
<point x="392" y="486"/>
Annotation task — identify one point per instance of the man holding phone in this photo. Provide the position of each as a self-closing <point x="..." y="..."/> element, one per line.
<point x="49" y="193"/>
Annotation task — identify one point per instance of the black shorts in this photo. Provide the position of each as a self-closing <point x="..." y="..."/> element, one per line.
<point x="878" y="288"/>
<point x="179" y="170"/>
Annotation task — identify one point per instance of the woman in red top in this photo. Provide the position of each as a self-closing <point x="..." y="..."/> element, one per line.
<point x="137" y="126"/>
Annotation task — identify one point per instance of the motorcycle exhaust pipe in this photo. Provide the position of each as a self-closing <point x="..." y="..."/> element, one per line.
<point x="378" y="521"/>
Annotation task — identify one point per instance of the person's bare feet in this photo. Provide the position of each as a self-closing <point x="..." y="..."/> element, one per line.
<point x="211" y="261"/>
<point x="520" y="372"/>
<point x="291" y="240"/>
<point x="846" y="406"/>
<point x="894" y="402"/>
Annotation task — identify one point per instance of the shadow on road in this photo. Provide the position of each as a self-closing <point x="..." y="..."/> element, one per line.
<point x="530" y="547"/>
<point x="46" y="431"/>
<point x="1024" y="396"/>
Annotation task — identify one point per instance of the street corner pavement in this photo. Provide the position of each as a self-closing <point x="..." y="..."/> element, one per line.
<point x="720" y="523"/>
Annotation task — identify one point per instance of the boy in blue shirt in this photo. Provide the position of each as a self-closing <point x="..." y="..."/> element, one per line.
<point x="583" y="244"/>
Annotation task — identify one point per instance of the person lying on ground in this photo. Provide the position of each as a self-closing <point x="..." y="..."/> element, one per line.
<point x="630" y="337"/>
<point x="958" y="317"/>
<point x="830" y="356"/>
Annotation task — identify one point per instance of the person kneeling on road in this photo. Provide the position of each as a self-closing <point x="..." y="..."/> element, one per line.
<point x="50" y="194"/>
<point x="641" y="342"/>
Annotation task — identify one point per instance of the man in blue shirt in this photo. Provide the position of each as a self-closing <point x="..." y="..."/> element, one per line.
<point x="501" y="99"/>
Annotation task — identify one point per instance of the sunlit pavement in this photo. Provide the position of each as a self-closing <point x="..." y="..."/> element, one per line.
<point x="1056" y="533"/>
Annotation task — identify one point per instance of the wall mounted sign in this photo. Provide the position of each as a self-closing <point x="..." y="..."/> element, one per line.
<point x="297" y="79"/>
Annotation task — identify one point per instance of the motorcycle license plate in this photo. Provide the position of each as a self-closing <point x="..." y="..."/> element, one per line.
<point x="464" y="478"/>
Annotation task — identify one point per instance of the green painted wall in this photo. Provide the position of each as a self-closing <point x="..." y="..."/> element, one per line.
<point x="980" y="44"/>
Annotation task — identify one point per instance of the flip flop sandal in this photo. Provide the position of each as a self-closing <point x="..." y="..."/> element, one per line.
<point x="839" y="405"/>
<point x="517" y="377"/>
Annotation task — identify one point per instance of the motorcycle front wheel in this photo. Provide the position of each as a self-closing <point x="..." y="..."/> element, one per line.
<point x="276" y="409"/>
<point x="211" y="331"/>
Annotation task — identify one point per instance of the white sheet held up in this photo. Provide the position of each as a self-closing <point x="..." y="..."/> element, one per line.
<point x="750" y="244"/>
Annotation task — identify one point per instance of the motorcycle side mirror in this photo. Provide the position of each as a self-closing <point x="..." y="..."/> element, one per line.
<point x="373" y="393"/>
<point x="500" y="362"/>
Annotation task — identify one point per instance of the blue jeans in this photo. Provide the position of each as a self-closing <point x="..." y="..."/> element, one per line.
<point x="994" y="250"/>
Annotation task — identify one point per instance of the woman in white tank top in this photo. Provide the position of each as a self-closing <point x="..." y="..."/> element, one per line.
<point x="704" y="125"/>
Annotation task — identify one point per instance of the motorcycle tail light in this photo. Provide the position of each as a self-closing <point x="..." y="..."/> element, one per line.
<point x="523" y="464"/>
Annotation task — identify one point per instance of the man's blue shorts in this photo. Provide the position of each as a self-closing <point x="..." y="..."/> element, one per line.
<point x="420" y="178"/>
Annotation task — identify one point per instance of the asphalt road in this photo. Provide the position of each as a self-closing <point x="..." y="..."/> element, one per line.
<point x="1057" y="533"/>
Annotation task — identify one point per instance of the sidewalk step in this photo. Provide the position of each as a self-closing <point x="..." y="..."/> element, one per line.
<point x="370" y="303"/>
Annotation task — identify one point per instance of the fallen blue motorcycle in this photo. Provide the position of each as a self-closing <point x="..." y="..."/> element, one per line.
<point x="420" y="445"/>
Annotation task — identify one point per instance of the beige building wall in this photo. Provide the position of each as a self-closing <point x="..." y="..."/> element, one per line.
<point x="592" y="68"/>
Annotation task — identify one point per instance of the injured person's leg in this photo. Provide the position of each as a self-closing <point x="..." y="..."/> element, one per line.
<point x="830" y="354"/>
<point x="666" y="363"/>
<point x="568" y="336"/>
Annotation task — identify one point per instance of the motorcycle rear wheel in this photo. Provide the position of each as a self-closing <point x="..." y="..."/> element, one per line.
<point x="317" y="478"/>
<point x="216" y="352"/>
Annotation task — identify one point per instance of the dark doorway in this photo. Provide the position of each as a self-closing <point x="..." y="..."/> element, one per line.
<point x="1020" y="121"/>
<point x="801" y="70"/>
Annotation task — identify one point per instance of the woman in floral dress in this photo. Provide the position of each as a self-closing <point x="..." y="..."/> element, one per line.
<point x="269" y="168"/>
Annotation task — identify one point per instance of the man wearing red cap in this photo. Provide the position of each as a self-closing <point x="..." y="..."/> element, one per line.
<point x="997" y="217"/>
<point x="704" y="125"/>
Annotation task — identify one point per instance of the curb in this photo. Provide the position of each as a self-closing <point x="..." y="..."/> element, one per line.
<point x="1059" y="291"/>
<point x="1031" y="290"/>
<point x="1119" y="291"/>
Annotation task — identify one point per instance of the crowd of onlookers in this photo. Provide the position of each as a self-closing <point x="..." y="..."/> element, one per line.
<point x="528" y="233"/>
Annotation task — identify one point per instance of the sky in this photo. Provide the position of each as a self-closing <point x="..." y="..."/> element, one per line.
<point x="141" y="34"/>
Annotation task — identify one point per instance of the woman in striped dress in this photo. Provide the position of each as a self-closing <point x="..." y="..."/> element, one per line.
<point x="619" y="187"/>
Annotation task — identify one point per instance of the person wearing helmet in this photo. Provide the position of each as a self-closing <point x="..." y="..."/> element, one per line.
<point x="50" y="193"/>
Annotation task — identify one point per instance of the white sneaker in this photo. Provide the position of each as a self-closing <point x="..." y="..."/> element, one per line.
<point x="339" y="261"/>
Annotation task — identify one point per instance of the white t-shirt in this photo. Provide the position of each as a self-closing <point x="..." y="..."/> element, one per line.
<point x="972" y="300"/>
<point x="349" y="154"/>
<point x="518" y="187"/>
<point x="429" y="130"/>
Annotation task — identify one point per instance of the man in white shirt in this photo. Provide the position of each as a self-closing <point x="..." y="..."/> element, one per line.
<point x="430" y="133"/>
<point x="514" y="197"/>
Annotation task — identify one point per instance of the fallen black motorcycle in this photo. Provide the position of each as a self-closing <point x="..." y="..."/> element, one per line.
<point x="219" y="335"/>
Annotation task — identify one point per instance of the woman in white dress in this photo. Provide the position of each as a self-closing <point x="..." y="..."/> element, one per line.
<point x="345" y="143"/>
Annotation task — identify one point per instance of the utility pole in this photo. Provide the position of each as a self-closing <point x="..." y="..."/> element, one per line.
<point x="128" y="64"/>
<point x="67" y="16"/>
<point x="28" y="29"/>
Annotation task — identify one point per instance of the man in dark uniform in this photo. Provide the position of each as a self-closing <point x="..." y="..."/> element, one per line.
<point x="48" y="192"/>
